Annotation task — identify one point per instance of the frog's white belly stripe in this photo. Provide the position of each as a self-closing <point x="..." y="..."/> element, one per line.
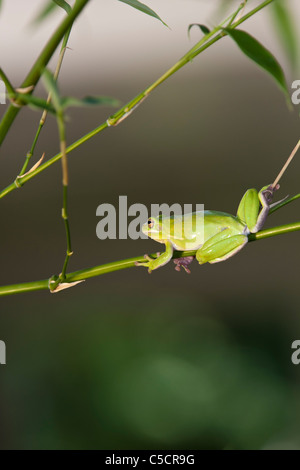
<point x="192" y="246"/>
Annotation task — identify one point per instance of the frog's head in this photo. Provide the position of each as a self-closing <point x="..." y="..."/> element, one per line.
<point x="153" y="228"/>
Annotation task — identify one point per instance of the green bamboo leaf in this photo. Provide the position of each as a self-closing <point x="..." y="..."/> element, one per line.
<point x="64" y="5"/>
<point x="203" y="28"/>
<point x="51" y="87"/>
<point x="0" y="4"/>
<point x="142" y="7"/>
<point x="36" y="103"/>
<point x="49" y="8"/>
<point x="259" y="54"/>
<point x="68" y="101"/>
<point x="285" y="26"/>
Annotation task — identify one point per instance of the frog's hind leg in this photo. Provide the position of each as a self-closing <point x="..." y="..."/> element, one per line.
<point x="220" y="247"/>
<point x="232" y="252"/>
<point x="184" y="263"/>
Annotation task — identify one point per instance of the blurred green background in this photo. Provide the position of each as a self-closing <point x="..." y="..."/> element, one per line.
<point x="129" y="360"/>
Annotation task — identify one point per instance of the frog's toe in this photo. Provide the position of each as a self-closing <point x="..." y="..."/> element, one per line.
<point x="147" y="263"/>
<point x="187" y="270"/>
<point x="184" y="263"/>
<point x="138" y="263"/>
<point x="143" y="263"/>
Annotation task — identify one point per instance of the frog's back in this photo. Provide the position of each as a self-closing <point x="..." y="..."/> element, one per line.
<point x="216" y="221"/>
<point x="201" y="226"/>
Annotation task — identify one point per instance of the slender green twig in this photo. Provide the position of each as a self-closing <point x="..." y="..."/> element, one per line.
<point x="10" y="89"/>
<point x="45" y="112"/>
<point x="65" y="182"/>
<point x="38" y="67"/>
<point x="271" y="232"/>
<point x="284" y="203"/>
<point x="128" y="108"/>
<point x="238" y="13"/>
<point x="128" y="263"/>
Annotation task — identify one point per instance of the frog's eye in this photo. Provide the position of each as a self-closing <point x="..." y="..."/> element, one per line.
<point x="150" y="223"/>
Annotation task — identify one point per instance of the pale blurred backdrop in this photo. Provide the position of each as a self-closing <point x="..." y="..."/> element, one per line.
<point x="129" y="360"/>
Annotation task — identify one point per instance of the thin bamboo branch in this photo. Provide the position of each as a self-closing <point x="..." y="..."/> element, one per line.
<point x="122" y="113"/>
<point x="39" y="65"/>
<point x="45" y="112"/>
<point x="95" y="271"/>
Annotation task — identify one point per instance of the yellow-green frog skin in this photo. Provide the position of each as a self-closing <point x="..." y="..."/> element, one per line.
<point x="222" y="235"/>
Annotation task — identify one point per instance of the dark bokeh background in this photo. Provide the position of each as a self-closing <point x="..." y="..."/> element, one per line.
<point x="129" y="360"/>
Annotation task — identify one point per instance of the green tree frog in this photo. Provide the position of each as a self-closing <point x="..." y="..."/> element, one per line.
<point x="222" y="236"/>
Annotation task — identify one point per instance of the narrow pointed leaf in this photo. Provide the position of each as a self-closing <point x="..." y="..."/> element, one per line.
<point x="36" y="103"/>
<point x="49" y="8"/>
<point x="68" y="102"/>
<point x="46" y="11"/>
<point x="259" y="54"/>
<point x="286" y="29"/>
<point x="64" y="5"/>
<point x="144" y="8"/>
<point x="52" y="88"/>
<point x="203" y="28"/>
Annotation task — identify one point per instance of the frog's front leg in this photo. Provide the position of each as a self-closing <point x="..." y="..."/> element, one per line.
<point x="249" y="211"/>
<point x="265" y="195"/>
<point x="221" y="246"/>
<point x="163" y="259"/>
